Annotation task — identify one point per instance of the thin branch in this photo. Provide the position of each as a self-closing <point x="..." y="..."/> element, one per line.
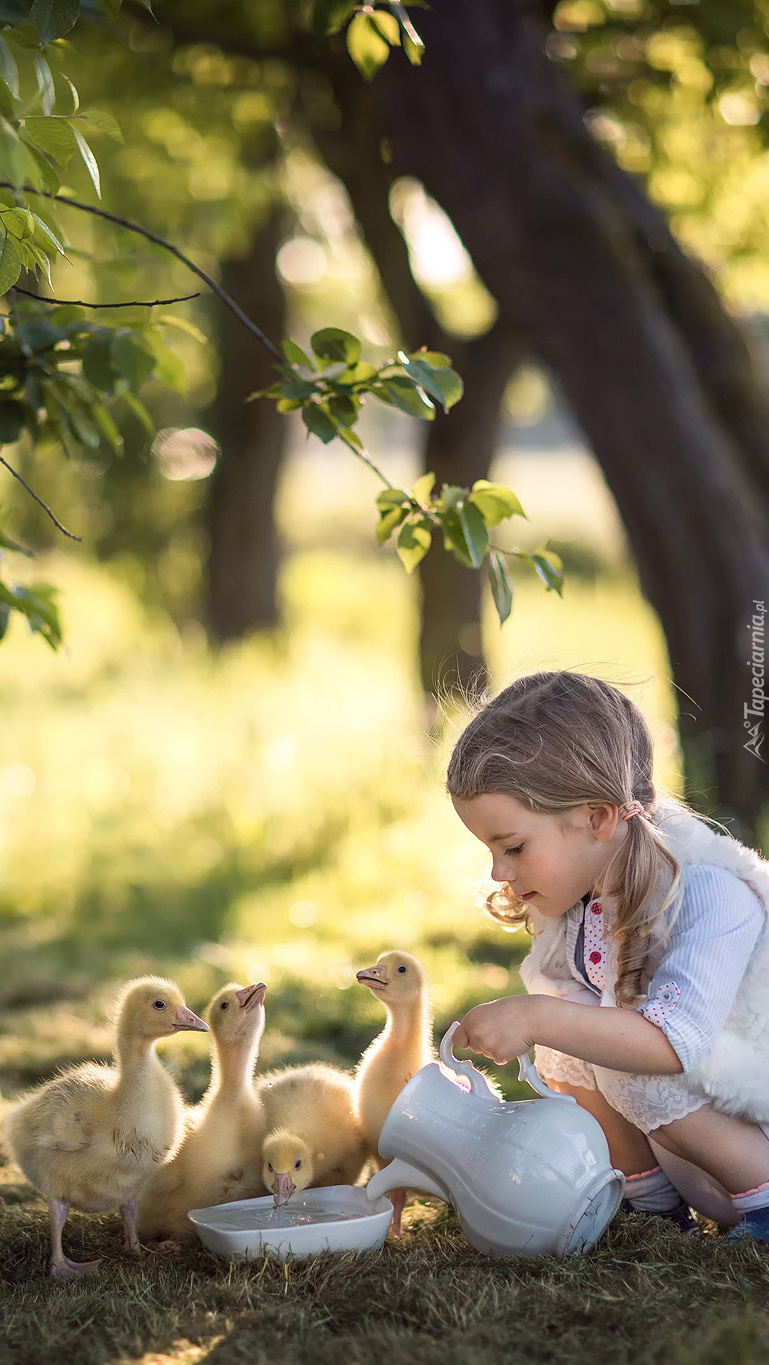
<point x="81" y="303"/>
<point x="167" y="246"/>
<point x="44" y="505"/>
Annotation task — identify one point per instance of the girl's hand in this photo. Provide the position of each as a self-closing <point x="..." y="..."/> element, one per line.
<point x="500" y="1030"/>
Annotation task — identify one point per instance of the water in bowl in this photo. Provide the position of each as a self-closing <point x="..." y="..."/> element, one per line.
<point x="292" y="1215"/>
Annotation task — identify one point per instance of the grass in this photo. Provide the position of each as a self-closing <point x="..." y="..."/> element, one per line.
<point x="276" y="812"/>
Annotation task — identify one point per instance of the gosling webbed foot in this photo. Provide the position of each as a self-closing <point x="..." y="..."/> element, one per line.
<point x="62" y="1268"/>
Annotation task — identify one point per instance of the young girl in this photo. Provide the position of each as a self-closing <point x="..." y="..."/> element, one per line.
<point x="637" y="905"/>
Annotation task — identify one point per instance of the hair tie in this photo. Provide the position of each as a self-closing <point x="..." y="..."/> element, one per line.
<point x="629" y="809"/>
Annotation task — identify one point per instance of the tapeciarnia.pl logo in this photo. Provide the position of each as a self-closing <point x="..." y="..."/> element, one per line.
<point x="753" y="711"/>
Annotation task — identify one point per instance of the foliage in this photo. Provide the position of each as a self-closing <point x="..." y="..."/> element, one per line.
<point x="65" y="379"/>
<point x="680" y="95"/>
<point x="329" y="390"/>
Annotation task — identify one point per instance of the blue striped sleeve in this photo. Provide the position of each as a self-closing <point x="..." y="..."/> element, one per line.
<point x="717" y="928"/>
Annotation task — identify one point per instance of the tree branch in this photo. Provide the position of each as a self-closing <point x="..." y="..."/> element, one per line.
<point x="167" y="246"/>
<point x="81" y="303"/>
<point x="70" y="534"/>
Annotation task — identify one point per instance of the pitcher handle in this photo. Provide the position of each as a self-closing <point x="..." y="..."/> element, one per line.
<point x="528" y="1072"/>
<point x="478" y="1084"/>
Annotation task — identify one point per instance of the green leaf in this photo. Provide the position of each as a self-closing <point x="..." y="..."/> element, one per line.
<point x="475" y="531"/>
<point x="40" y="334"/>
<point x="414" y="541"/>
<point x="549" y="566"/>
<point x="360" y="374"/>
<point x="169" y="367"/>
<point x="133" y="357"/>
<point x="45" y="84"/>
<point x="343" y="409"/>
<point x="501" y="586"/>
<point x="54" y="18"/>
<point x="295" y="355"/>
<point x="10" y="263"/>
<point x="319" y="421"/>
<point x="386" y="26"/>
<point x="89" y="159"/>
<point x="8" y="105"/>
<point x="297" y="388"/>
<point x="495" y="502"/>
<point x="329" y="16"/>
<point x="17" y="163"/>
<point x="45" y="172"/>
<point x="351" y="438"/>
<point x="8" y="68"/>
<point x="365" y="44"/>
<point x="393" y="497"/>
<point x="423" y="487"/>
<point x="388" y="520"/>
<point x="37" y="604"/>
<point x="334" y="344"/>
<point x="443" y="384"/>
<point x="99" y="118"/>
<point x="454" y="536"/>
<point x="36" y="260"/>
<point x="49" y="234"/>
<point x="51" y="135"/>
<point x="139" y="411"/>
<point x="106" y="425"/>
<point x="408" y="398"/>
<point x="414" y="51"/>
<point x="13" y="418"/>
<point x="19" y="223"/>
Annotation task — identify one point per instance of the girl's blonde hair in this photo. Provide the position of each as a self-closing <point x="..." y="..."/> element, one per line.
<point x="558" y="740"/>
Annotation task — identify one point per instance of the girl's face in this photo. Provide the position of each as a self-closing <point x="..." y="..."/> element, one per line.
<point x="551" y="861"/>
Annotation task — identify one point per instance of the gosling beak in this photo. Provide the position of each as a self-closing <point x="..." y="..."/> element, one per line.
<point x="185" y="1019"/>
<point x="375" y="977"/>
<point x="282" y="1188"/>
<point x="251" y="996"/>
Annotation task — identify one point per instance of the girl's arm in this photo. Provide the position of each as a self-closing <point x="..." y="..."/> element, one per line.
<point x="621" y="1039"/>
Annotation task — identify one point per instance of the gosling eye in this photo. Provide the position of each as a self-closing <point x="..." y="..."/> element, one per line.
<point x="225" y="1005"/>
<point x="402" y="970"/>
<point x="269" y="1166"/>
<point x="159" y="1005"/>
<point x="298" y="1164"/>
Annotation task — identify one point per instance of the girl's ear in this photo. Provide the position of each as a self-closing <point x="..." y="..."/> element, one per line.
<point x="603" y="820"/>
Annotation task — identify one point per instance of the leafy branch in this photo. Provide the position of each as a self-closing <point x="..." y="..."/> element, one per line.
<point x="329" y="389"/>
<point x="64" y="378"/>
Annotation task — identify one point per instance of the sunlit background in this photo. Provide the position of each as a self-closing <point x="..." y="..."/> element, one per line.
<point x="274" y="809"/>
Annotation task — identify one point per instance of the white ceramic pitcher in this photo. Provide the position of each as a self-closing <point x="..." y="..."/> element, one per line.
<point x="530" y="1176"/>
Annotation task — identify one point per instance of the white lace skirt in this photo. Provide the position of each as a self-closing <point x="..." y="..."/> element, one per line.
<point x="646" y="1101"/>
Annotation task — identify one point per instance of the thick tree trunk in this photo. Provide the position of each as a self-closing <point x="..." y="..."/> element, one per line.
<point x="490" y="127"/>
<point x="244" y="550"/>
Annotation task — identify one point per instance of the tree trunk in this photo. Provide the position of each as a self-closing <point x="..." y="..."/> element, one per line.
<point x="459" y="448"/>
<point x="244" y="551"/>
<point x="493" y="131"/>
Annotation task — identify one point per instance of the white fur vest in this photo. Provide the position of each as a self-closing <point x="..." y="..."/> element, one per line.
<point x="735" y="1074"/>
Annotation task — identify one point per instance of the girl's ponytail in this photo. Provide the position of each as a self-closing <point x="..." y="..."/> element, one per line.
<point x="643" y="878"/>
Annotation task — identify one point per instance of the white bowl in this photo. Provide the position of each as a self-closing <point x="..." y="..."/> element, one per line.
<point x="335" y="1218"/>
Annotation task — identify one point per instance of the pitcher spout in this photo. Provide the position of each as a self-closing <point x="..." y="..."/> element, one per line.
<point x="400" y="1175"/>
